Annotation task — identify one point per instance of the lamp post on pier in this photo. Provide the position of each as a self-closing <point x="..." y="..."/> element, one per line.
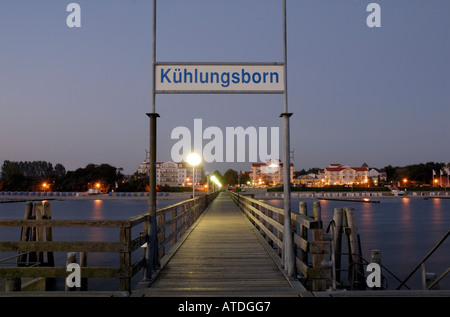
<point x="193" y="159"/>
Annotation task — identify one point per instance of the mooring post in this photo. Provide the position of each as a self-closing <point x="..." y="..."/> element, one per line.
<point x="84" y="263"/>
<point x="356" y="273"/>
<point x="317" y="213"/>
<point x="318" y="258"/>
<point x="303" y="210"/>
<point x="49" y="233"/>
<point x="25" y="234"/>
<point x="375" y="257"/>
<point x="39" y="232"/>
<point x="13" y="284"/>
<point x="337" y="240"/>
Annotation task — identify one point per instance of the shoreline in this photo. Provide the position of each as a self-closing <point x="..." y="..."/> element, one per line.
<point x="257" y="193"/>
<point x="85" y="196"/>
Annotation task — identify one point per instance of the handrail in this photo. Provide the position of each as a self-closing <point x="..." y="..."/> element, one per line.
<point x="424" y="259"/>
<point x="179" y="218"/>
<point x="269" y="221"/>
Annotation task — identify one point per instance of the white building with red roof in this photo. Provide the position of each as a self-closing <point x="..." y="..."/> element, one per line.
<point x="338" y="174"/>
<point x="269" y="173"/>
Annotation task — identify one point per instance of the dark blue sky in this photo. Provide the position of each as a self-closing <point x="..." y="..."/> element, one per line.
<point x="79" y="95"/>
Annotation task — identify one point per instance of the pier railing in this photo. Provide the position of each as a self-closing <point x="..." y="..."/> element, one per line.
<point x="173" y="221"/>
<point x="312" y="250"/>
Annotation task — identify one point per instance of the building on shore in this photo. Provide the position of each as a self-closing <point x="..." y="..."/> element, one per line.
<point x="269" y="173"/>
<point x="377" y="176"/>
<point x="308" y="180"/>
<point x="338" y="174"/>
<point x="172" y="173"/>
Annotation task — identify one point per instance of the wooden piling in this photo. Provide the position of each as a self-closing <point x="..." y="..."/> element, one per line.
<point x="428" y="278"/>
<point x="337" y="240"/>
<point x="84" y="263"/>
<point x="356" y="272"/>
<point x="125" y="260"/>
<point x="321" y="273"/>
<point x="303" y="231"/>
<point x="49" y="233"/>
<point x="13" y="284"/>
<point x="375" y="257"/>
<point x="39" y="211"/>
<point x="317" y="212"/>
<point x="25" y="234"/>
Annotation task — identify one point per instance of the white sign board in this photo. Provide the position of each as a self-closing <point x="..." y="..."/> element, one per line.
<point x="219" y="78"/>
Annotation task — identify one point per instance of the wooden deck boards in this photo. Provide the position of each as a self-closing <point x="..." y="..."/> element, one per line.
<point x="222" y="255"/>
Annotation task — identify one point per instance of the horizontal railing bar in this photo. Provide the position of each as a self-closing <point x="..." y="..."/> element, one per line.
<point x="271" y="235"/>
<point x="124" y="247"/>
<point x="178" y="217"/>
<point x="306" y="221"/>
<point x="136" y="267"/>
<point x="253" y="200"/>
<point x="266" y="218"/>
<point x="138" y="242"/>
<point x="88" y="272"/>
<point x="141" y="217"/>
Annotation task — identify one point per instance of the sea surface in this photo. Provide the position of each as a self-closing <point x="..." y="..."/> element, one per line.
<point x="403" y="229"/>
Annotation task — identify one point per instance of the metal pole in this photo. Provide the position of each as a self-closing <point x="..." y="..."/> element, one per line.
<point x="152" y="251"/>
<point x="193" y="181"/>
<point x="154" y="59"/>
<point x="152" y="260"/>
<point x="288" y="249"/>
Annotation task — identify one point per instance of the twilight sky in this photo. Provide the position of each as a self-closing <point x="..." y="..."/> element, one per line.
<point x="80" y="95"/>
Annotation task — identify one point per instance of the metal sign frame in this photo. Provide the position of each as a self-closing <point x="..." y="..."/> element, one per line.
<point x="152" y="256"/>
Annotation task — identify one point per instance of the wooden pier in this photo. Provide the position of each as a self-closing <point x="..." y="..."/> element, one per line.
<point x="224" y="245"/>
<point x="225" y="256"/>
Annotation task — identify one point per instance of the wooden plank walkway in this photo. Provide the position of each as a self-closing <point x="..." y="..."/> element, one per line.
<point x="223" y="255"/>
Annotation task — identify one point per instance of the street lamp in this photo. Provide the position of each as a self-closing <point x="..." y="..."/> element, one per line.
<point x="193" y="159"/>
<point x="216" y="182"/>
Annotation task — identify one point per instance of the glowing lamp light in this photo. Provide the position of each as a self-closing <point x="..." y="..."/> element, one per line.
<point x="193" y="159"/>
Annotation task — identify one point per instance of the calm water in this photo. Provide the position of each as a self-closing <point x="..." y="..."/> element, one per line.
<point x="404" y="229"/>
<point x="85" y="210"/>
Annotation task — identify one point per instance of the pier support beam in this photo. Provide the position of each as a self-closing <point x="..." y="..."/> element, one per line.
<point x="288" y="244"/>
<point x="152" y="260"/>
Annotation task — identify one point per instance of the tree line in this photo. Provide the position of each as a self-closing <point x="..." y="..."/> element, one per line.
<point x="43" y="176"/>
<point x="415" y="174"/>
<point x="31" y="176"/>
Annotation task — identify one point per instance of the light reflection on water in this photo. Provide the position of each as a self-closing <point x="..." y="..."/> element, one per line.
<point x="404" y="229"/>
<point x="84" y="210"/>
